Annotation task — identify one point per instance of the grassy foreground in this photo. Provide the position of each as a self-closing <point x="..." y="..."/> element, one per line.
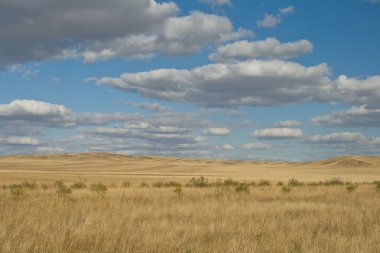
<point x="200" y="217"/>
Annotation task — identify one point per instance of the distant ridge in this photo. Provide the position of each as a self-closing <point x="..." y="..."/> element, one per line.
<point x="338" y="162"/>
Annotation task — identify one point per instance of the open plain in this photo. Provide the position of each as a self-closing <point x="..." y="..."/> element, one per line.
<point x="111" y="203"/>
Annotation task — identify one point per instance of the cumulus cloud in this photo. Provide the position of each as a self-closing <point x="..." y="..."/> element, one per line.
<point x="341" y="137"/>
<point x="39" y="113"/>
<point x="148" y="106"/>
<point x="254" y="82"/>
<point x="358" y="91"/>
<point x="269" y="48"/>
<point x="256" y="146"/>
<point x="228" y="147"/>
<point x="272" y="20"/>
<point x="178" y="35"/>
<point x="35" y="111"/>
<point x="287" y="123"/>
<point x="357" y="116"/>
<point x="217" y="131"/>
<point x="277" y="133"/>
<point x="41" y="29"/>
<point x="216" y="2"/>
<point x="17" y="141"/>
<point x="95" y="30"/>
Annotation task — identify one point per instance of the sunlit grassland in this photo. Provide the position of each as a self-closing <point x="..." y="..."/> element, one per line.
<point x="203" y="216"/>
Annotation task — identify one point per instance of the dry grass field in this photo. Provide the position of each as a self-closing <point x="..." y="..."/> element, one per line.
<point x="137" y="204"/>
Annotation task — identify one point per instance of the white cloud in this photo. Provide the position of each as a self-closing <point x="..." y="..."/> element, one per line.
<point x="269" y="48"/>
<point x="254" y="82"/>
<point x="277" y="133"/>
<point x="228" y="147"/>
<point x="358" y="91"/>
<point x="287" y="10"/>
<point x="147" y="106"/>
<point x="341" y="137"/>
<point x="217" y="2"/>
<point x="287" y="123"/>
<point x="103" y="30"/>
<point x="40" y="33"/>
<point x="359" y="116"/>
<point x="31" y="108"/>
<point x="271" y="20"/>
<point x="28" y="141"/>
<point x="257" y="146"/>
<point x="50" y="150"/>
<point x="178" y="35"/>
<point x="217" y="131"/>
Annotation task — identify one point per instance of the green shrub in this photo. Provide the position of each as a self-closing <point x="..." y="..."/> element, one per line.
<point x="351" y="187"/>
<point x="286" y="189"/>
<point x="99" y="188"/>
<point x="230" y="182"/>
<point x="16" y="189"/>
<point x="294" y="182"/>
<point x="280" y="184"/>
<point x="198" y="182"/>
<point x="29" y="185"/>
<point x="158" y="184"/>
<point x="62" y="190"/>
<point x="263" y="183"/>
<point x="144" y="185"/>
<point x="315" y="183"/>
<point x="377" y="185"/>
<point x="172" y="184"/>
<point x="79" y="185"/>
<point x="178" y="191"/>
<point x="334" y="181"/>
<point x="243" y="187"/>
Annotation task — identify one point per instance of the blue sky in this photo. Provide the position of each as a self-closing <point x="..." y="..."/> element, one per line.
<point x="262" y="80"/>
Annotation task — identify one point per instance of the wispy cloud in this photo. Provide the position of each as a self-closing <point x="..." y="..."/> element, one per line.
<point x="272" y="20"/>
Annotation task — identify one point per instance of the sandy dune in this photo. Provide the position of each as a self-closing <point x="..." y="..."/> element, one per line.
<point x="113" y="167"/>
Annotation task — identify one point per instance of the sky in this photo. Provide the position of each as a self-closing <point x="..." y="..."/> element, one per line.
<point x="224" y="79"/>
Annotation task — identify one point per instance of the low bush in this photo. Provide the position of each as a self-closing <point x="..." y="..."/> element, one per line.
<point x="286" y="189"/>
<point x="243" y="187"/>
<point x="144" y="185"/>
<point x="16" y="189"/>
<point x="294" y="182"/>
<point x="198" y="182"/>
<point x="230" y="182"/>
<point x="99" y="188"/>
<point x="62" y="190"/>
<point x="79" y="185"/>
<point x="29" y="185"/>
<point x="377" y="185"/>
<point x="351" y="187"/>
<point x="263" y="182"/>
<point x="178" y="191"/>
<point x="334" y="181"/>
<point x="279" y="184"/>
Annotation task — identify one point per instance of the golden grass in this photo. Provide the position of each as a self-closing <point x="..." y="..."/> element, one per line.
<point x="211" y="219"/>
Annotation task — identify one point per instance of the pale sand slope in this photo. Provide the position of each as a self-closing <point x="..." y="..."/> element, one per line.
<point x="111" y="167"/>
